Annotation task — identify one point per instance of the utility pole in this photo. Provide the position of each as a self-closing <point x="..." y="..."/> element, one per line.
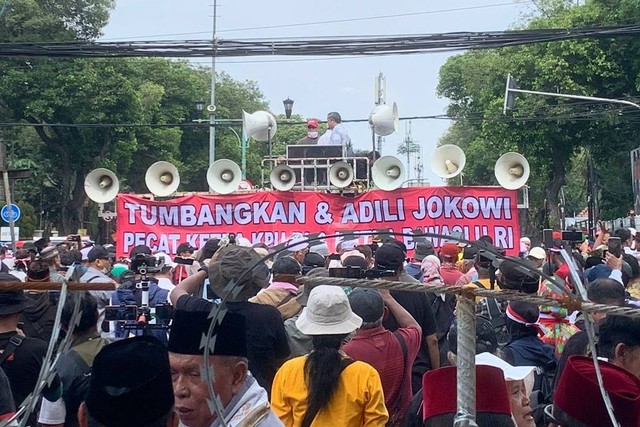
<point x="408" y="140"/>
<point x="7" y="192"/>
<point x="212" y="107"/>
<point x="380" y="98"/>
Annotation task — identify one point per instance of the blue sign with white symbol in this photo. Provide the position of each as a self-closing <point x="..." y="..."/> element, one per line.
<point x="15" y="210"/>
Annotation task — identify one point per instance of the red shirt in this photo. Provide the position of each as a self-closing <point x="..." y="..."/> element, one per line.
<point x="450" y="274"/>
<point x="381" y="349"/>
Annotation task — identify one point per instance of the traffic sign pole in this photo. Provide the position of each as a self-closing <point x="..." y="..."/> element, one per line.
<point x="7" y="194"/>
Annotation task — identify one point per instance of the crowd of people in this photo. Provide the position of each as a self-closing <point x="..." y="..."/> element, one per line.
<point x="285" y="353"/>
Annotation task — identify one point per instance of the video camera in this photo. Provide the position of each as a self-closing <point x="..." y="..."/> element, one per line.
<point x="358" y="273"/>
<point x="142" y="264"/>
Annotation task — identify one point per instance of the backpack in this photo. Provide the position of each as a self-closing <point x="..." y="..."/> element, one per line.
<point x="496" y="317"/>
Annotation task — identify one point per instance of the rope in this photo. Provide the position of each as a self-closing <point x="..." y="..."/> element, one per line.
<point x="466" y="372"/>
<point x="569" y="303"/>
<point x="55" y="286"/>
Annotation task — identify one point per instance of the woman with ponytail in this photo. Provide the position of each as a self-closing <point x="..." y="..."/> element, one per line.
<point x="325" y="387"/>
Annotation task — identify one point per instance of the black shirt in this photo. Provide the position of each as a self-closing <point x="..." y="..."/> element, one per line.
<point x="417" y="304"/>
<point x="267" y="341"/>
<point x="23" y="366"/>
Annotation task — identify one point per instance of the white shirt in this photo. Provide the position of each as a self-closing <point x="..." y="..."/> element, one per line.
<point x="325" y="139"/>
<point x="339" y="135"/>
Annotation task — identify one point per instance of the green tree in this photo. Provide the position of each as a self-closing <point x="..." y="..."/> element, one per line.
<point x="550" y="132"/>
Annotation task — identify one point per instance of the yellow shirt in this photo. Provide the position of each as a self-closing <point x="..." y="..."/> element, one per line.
<point x="357" y="402"/>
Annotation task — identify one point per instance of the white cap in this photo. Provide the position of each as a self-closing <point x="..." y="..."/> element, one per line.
<point x="243" y="241"/>
<point x="85" y="253"/>
<point x="537" y="253"/>
<point x="167" y="261"/>
<point x="525" y="239"/>
<point x="511" y="373"/>
<point x="299" y="243"/>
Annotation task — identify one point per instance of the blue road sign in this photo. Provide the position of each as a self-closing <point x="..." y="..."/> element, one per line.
<point x="15" y="210"/>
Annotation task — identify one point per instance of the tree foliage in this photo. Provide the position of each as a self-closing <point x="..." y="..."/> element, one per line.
<point x="554" y="134"/>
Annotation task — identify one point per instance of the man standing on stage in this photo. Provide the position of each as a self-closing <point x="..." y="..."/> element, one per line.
<point x="339" y="134"/>
<point x="312" y="134"/>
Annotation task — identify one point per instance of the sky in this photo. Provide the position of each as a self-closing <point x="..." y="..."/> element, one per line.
<point x="319" y="85"/>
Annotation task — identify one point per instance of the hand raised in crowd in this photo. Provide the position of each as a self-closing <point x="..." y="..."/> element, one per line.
<point x="613" y="262"/>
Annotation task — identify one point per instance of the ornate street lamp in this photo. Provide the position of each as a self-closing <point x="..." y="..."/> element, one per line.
<point x="288" y="107"/>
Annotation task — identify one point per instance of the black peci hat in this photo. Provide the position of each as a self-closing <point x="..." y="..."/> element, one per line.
<point x="190" y="327"/>
<point x="141" y="390"/>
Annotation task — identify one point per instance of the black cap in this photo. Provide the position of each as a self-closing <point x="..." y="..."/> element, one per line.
<point x="12" y="302"/>
<point x="469" y="252"/>
<point x="140" y="392"/>
<point x="189" y="327"/>
<point x="185" y="247"/>
<point x="313" y="259"/>
<point x="98" y="252"/>
<point x="140" y="249"/>
<point x="286" y="265"/>
<point x="423" y="250"/>
<point x="486" y="339"/>
<point x="367" y="303"/>
<point x="389" y="257"/>
<point x="516" y="277"/>
<point x="355" y="261"/>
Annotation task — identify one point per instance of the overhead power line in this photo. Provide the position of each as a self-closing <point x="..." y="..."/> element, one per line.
<point x="357" y="45"/>
<point x="333" y="21"/>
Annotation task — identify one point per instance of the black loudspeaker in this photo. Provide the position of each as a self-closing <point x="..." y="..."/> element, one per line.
<point x="547" y="238"/>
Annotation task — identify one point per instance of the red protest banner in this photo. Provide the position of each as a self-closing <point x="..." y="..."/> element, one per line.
<point x="274" y="217"/>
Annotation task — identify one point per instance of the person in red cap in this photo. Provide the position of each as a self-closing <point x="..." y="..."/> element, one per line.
<point x="439" y="402"/>
<point x="578" y="401"/>
<point x="448" y="271"/>
<point x="312" y="133"/>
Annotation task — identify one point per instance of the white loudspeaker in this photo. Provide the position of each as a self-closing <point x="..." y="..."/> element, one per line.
<point x="448" y="161"/>
<point x="101" y="185"/>
<point x="224" y="176"/>
<point x="257" y="125"/>
<point x="162" y="179"/>
<point x="341" y="174"/>
<point x="384" y="119"/>
<point x="282" y="178"/>
<point x="512" y="170"/>
<point x="388" y="173"/>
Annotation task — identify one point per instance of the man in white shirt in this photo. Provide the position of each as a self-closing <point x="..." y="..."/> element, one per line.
<point x="339" y="134"/>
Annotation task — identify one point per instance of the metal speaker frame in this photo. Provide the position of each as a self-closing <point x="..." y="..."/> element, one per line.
<point x="224" y="176"/>
<point x="162" y="179"/>
<point x="384" y="119"/>
<point x="341" y="174"/>
<point x="101" y="185"/>
<point x="282" y="178"/>
<point x="388" y="173"/>
<point x="448" y="161"/>
<point x="256" y="125"/>
<point x="512" y="170"/>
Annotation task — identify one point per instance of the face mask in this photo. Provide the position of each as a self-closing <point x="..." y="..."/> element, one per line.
<point x="312" y="135"/>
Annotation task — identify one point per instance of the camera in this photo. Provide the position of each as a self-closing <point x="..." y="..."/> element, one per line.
<point x="572" y="236"/>
<point x="143" y="264"/>
<point x="121" y="312"/>
<point x="183" y="260"/>
<point x="358" y="273"/>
